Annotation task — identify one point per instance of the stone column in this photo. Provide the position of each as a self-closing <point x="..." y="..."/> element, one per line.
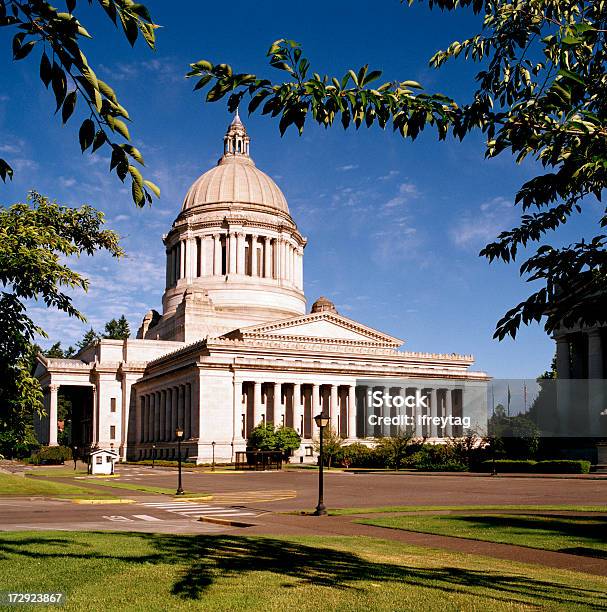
<point x="187" y="419"/>
<point x="297" y="409"/>
<point x="195" y="390"/>
<point x="433" y="413"/>
<point x="216" y="255"/>
<point x="254" y="271"/>
<point x="182" y="255"/>
<point x="168" y="268"/>
<point x="351" y="412"/>
<point x="190" y="258"/>
<point x="563" y="359"/>
<point x="157" y="411"/>
<point x="150" y="417"/>
<point x="52" y="415"/>
<point x="180" y="406"/>
<point x="292" y="263"/>
<point x="168" y="396"/>
<point x="257" y="407"/>
<point x="240" y="244"/>
<point x="315" y="409"/>
<point x="279" y="407"/>
<point x="232" y="253"/>
<point x="267" y="251"/>
<point x="596" y="384"/>
<point x="174" y="399"/>
<point x="334" y="409"/>
<point x="144" y="422"/>
<point x="282" y="248"/>
<point x="448" y="412"/>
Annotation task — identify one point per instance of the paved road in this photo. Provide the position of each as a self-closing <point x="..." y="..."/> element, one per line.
<point x="297" y="490"/>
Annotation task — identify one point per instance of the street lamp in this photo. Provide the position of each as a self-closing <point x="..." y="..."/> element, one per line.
<point x="153" y="455"/>
<point x="213" y="464"/>
<point x="321" y="422"/>
<point x="75" y="456"/>
<point x="179" y="435"/>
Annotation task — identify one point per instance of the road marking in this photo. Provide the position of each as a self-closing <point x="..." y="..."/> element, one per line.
<point x="195" y="510"/>
<point x="115" y="517"/>
<point x="146" y="517"/>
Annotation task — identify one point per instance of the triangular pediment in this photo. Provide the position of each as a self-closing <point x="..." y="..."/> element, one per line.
<point x="324" y="327"/>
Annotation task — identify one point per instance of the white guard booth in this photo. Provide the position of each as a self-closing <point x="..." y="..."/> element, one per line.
<point x="102" y="461"/>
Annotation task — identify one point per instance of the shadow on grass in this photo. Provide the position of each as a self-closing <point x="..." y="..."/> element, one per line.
<point x="589" y="533"/>
<point x="203" y="560"/>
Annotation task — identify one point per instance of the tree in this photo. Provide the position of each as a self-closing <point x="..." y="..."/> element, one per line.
<point x="89" y="337"/>
<point x="332" y="445"/>
<point x="35" y="236"/>
<point x="63" y="66"/>
<point x="117" y="329"/>
<point x="265" y="437"/>
<point x="56" y="352"/>
<point x="394" y="448"/>
<point x="541" y="94"/>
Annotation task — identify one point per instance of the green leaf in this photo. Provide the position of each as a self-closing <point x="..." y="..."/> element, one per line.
<point x="153" y="187"/>
<point x="202" y="65"/>
<point x="86" y="134"/>
<point x="45" y="69"/>
<point x="69" y="105"/>
<point x="24" y="50"/>
<point x="121" y="128"/>
<point x="59" y="84"/>
<point x="5" y="171"/>
<point x="571" y="40"/>
<point x="99" y="140"/>
<point x="134" y="153"/>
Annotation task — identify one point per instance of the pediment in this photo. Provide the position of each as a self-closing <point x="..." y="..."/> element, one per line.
<point x="324" y="327"/>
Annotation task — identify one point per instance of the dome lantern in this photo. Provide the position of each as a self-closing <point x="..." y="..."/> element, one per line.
<point x="236" y="141"/>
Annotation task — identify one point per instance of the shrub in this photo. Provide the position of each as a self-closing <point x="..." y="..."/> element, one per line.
<point x="563" y="466"/>
<point x="51" y="455"/>
<point x="552" y="466"/>
<point x="509" y="465"/>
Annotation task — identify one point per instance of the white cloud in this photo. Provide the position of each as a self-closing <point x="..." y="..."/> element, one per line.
<point x="477" y="228"/>
<point x="347" y="167"/>
<point x="390" y="175"/>
<point x="406" y="192"/>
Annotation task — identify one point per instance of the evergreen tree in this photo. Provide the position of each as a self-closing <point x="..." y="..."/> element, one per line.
<point x="117" y="329"/>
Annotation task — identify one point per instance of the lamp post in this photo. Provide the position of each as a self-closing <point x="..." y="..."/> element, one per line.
<point x="213" y="463"/>
<point x="153" y="455"/>
<point x="321" y="422"/>
<point x="179" y="436"/>
<point x="75" y="456"/>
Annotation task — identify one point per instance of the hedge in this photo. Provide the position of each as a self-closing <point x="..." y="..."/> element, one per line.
<point x="563" y="466"/>
<point x="51" y="455"/>
<point x="550" y="466"/>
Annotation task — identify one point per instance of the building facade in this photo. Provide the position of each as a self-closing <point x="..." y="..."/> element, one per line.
<point x="235" y="346"/>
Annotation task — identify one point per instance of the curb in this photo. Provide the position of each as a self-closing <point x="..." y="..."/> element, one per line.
<point x="103" y="501"/>
<point x="198" y="498"/>
<point x="227" y="522"/>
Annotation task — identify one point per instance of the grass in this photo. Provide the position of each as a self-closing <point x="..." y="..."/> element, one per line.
<point x="137" y="571"/>
<point x="383" y="509"/>
<point x="582" y="535"/>
<point x="113" y="484"/>
<point x="19" y="485"/>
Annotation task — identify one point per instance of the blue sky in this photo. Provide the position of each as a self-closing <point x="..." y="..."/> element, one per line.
<point x="393" y="227"/>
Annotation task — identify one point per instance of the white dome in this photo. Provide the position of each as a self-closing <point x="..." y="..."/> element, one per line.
<point x="234" y="180"/>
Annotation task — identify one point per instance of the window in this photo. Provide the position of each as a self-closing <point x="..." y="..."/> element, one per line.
<point x="108" y="459"/>
<point x="309" y="452"/>
<point x="112" y="432"/>
<point x="98" y="459"/>
<point x="113" y="404"/>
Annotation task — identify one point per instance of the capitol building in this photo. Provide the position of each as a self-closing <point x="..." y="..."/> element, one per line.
<point x="236" y="345"/>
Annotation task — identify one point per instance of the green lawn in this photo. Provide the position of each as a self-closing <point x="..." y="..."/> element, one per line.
<point x="137" y="571"/>
<point x="384" y="509"/>
<point x="19" y="485"/>
<point x="584" y="535"/>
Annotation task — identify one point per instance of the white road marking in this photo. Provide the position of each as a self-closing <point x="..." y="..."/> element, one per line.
<point x="189" y="509"/>
<point x="146" y="517"/>
<point x="118" y="518"/>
